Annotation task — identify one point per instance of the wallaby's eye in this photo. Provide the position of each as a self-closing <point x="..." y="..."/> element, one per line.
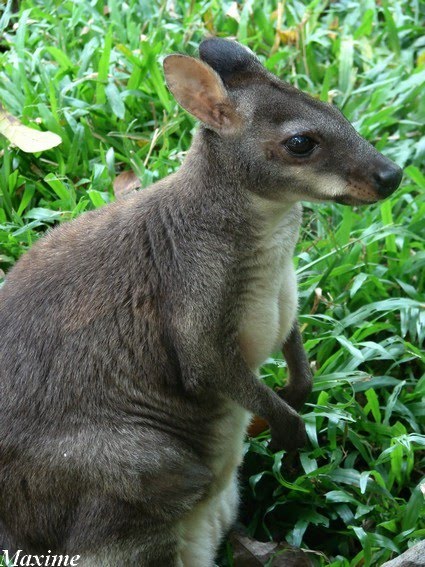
<point x="300" y="145"/>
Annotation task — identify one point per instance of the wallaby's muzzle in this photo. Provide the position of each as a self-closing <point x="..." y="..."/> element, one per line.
<point x="371" y="180"/>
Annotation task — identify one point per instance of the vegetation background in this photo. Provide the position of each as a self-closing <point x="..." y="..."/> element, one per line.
<point x="90" y="71"/>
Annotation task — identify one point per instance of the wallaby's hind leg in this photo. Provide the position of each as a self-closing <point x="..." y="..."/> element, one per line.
<point x="207" y="524"/>
<point x="129" y="554"/>
<point x="110" y="533"/>
<point x="136" y="491"/>
<point x="5" y="542"/>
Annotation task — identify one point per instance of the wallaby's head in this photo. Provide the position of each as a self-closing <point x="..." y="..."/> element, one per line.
<point x="291" y="146"/>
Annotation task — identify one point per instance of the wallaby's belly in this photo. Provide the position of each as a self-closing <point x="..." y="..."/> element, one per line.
<point x="268" y="309"/>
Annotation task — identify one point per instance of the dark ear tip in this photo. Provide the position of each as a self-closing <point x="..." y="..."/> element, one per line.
<point x="221" y="46"/>
<point x="216" y="42"/>
<point x="226" y="56"/>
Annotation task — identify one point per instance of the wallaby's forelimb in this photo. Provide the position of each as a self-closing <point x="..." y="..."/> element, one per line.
<point x="300" y="381"/>
<point x="287" y="427"/>
<point x="233" y="379"/>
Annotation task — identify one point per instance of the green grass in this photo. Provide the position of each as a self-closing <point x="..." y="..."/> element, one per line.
<point x="93" y="76"/>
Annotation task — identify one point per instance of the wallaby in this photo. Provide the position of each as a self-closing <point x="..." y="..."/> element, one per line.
<point x="131" y="337"/>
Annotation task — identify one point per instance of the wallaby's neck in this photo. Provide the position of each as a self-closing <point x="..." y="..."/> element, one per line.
<point x="215" y="169"/>
<point x="214" y="161"/>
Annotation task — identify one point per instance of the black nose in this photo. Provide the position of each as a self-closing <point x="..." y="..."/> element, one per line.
<point x="388" y="179"/>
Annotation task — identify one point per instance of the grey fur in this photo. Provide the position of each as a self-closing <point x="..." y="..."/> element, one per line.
<point x="119" y="346"/>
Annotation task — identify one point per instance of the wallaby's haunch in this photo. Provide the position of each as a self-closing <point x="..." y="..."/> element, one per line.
<point x="131" y="337"/>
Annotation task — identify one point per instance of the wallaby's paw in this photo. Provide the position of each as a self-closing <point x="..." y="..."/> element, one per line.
<point x="295" y="397"/>
<point x="291" y="436"/>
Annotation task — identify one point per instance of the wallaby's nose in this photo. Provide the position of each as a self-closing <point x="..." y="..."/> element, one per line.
<point x="388" y="179"/>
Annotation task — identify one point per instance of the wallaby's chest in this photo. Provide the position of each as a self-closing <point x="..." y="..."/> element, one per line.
<point x="268" y="303"/>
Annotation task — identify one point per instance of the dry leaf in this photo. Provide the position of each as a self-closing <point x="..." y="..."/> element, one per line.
<point x="125" y="183"/>
<point x="208" y="18"/>
<point x="318" y="297"/>
<point x="248" y="552"/>
<point x="334" y="25"/>
<point x="420" y="61"/>
<point x="257" y="426"/>
<point x="25" y="138"/>
<point x="288" y="36"/>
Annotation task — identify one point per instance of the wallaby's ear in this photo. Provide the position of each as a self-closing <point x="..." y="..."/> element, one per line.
<point x="198" y="88"/>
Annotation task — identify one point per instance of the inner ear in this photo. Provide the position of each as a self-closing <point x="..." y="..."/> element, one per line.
<point x="199" y="90"/>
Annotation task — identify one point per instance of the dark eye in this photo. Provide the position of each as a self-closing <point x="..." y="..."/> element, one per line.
<point x="300" y="145"/>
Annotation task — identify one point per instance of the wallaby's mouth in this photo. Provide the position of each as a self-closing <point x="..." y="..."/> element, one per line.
<point x="351" y="201"/>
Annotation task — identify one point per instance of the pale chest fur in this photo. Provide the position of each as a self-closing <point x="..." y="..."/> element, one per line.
<point x="268" y="304"/>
